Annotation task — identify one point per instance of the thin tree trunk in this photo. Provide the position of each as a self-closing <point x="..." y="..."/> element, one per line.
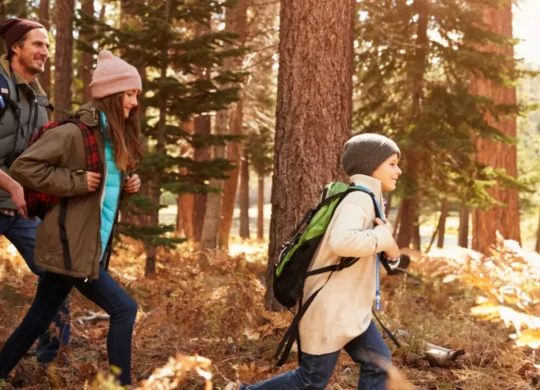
<point x="209" y="237"/>
<point x="260" y="208"/>
<point x="63" y="60"/>
<point x="155" y="185"/>
<point x="87" y="58"/>
<point x="314" y="93"/>
<point x="244" y="197"/>
<point x="44" y="19"/>
<point x="397" y="224"/>
<point x="212" y="218"/>
<point x="434" y="235"/>
<point x="234" y="151"/>
<point x="442" y="223"/>
<point x="203" y="126"/>
<point x="416" y="239"/>
<point x="388" y="205"/>
<point x="184" y="215"/>
<point x="463" y="226"/>
<point x="497" y="155"/>
<point x="409" y="216"/>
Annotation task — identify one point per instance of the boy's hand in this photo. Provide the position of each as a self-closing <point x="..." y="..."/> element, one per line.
<point x="133" y="184"/>
<point x="93" y="179"/>
<point x="386" y="224"/>
<point x="393" y="253"/>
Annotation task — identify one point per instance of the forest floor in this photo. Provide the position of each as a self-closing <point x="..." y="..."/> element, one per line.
<point x="217" y="312"/>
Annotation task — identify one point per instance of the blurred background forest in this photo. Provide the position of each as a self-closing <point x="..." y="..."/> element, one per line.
<point x="245" y="110"/>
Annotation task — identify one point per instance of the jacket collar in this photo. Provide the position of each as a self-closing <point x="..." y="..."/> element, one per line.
<point x="88" y="114"/>
<point x="372" y="184"/>
<point x="35" y="85"/>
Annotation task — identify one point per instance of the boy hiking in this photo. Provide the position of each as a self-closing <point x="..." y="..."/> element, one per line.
<point x="340" y="317"/>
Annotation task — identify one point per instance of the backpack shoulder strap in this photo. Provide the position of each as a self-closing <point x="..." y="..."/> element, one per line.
<point x="90" y="144"/>
<point x="6" y="101"/>
<point x="4" y="85"/>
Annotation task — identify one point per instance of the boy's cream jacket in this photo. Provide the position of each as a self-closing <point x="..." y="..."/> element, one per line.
<point x="342" y="310"/>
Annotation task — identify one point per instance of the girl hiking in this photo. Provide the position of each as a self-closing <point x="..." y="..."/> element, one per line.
<point x="340" y="316"/>
<point x="74" y="241"/>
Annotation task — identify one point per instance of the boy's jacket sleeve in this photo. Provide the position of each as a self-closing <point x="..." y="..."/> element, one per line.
<point x="43" y="167"/>
<point x="353" y="234"/>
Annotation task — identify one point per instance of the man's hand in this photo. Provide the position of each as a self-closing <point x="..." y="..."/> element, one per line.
<point x="93" y="179"/>
<point x="17" y="196"/>
<point x="133" y="184"/>
<point x="392" y="253"/>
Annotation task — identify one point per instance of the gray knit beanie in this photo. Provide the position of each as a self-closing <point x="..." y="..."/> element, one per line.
<point x="364" y="153"/>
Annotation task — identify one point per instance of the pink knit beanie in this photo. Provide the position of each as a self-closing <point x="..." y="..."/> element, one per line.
<point x="113" y="75"/>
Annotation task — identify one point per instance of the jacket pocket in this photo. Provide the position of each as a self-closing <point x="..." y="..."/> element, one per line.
<point x="48" y="232"/>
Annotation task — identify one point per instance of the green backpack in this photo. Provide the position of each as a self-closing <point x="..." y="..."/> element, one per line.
<point x="291" y="271"/>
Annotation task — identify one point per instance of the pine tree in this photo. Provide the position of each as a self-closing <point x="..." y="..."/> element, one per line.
<point x="172" y="96"/>
<point x="414" y="65"/>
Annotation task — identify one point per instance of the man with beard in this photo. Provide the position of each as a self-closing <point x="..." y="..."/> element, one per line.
<point x="23" y="106"/>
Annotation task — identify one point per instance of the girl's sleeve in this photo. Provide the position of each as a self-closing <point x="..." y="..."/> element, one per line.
<point x="43" y="166"/>
<point x="348" y="238"/>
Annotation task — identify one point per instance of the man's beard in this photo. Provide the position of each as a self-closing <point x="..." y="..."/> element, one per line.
<point x="31" y="68"/>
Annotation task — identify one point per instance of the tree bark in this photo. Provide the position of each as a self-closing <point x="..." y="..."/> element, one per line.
<point x="313" y="113"/>
<point x="203" y="126"/>
<point x="244" y="197"/>
<point x="409" y="214"/>
<point x="87" y="58"/>
<point x="388" y="205"/>
<point x="260" y="208"/>
<point x="184" y="216"/>
<point x="442" y="224"/>
<point x="234" y="151"/>
<point x="63" y="59"/>
<point x="209" y="237"/>
<point x="155" y="182"/>
<point x="463" y="240"/>
<point x="44" y="19"/>
<point x="497" y="155"/>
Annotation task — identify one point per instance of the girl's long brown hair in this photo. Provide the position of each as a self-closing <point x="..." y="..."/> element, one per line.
<point x="124" y="132"/>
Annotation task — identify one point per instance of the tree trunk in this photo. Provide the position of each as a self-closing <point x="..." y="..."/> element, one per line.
<point x="184" y="216"/>
<point x="63" y="60"/>
<point x="388" y="205"/>
<point x="313" y="113"/>
<point x="213" y="215"/>
<point x="497" y="155"/>
<point x="397" y="224"/>
<point x="416" y="239"/>
<point x="155" y="182"/>
<point x="260" y="208"/>
<point x="409" y="216"/>
<point x="442" y="224"/>
<point x="463" y="240"/>
<point x="203" y="126"/>
<point x="44" y="19"/>
<point x="209" y="237"/>
<point x="87" y="58"/>
<point x="230" y="186"/>
<point x="244" y="197"/>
